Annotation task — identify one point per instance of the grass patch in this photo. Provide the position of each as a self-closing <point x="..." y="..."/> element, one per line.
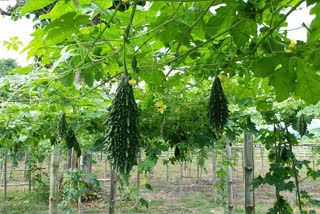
<point x="20" y="202"/>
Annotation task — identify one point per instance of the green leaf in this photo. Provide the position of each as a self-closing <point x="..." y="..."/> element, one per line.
<point x="67" y="80"/>
<point x="265" y="67"/>
<point x="33" y="5"/>
<point x="148" y="186"/>
<point x="242" y="32"/>
<point x="314" y="32"/>
<point x="143" y="202"/>
<point x="24" y="70"/>
<point x="283" y="82"/>
<point x="308" y="83"/>
<point x="219" y="23"/>
<point x="88" y="77"/>
<point x="63" y="28"/>
<point x="61" y="8"/>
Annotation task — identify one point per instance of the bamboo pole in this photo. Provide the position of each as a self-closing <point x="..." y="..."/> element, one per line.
<point x="54" y="180"/>
<point x="138" y="176"/>
<point x="181" y="178"/>
<point x="229" y="177"/>
<point x="214" y="171"/>
<point x="168" y="154"/>
<point x="248" y="169"/>
<point x="105" y="168"/>
<point x="5" y="161"/>
<point x="113" y="189"/>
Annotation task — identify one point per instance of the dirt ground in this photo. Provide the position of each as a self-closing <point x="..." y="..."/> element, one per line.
<point x="195" y="195"/>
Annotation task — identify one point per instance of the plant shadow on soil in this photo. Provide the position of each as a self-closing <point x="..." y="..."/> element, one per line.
<point x="196" y="197"/>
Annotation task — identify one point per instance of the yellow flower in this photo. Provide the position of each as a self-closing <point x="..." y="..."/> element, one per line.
<point x="132" y="82"/>
<point x="161" y="107"/>
<point x="292" y="44"/>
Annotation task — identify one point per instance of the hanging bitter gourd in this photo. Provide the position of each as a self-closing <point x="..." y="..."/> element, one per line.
<point x="62" y="129"/>
<point x="301" y="125"/>
<point x="217" y="108"/>
<point x="71" y="141"/>
<point x="122" y="131"/>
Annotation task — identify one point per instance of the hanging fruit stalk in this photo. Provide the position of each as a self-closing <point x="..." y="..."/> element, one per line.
<point x="122" y="131"/>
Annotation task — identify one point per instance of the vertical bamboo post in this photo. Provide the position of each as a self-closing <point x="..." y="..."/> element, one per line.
<point x="113" y="189"/>
<point x="229" y="176"/>
<point x="248" y="169"/>
<point x="138" y="176"/>
<point x="5" y="161"/>
<point x="168" y="154"/>
<point x="261" y="157"/>
<point x="214" y="171"/>
<point x="25" y="165"/>
<point x="105" y="168"/>
<point x="181" y="177"/>
<point x="54" y="180"/>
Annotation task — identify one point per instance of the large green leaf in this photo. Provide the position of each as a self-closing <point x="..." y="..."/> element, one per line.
<point x="218" y="23"/>
<point x="308" y="83"/>
<point x="33" y="5"/>
<point x="88" y="76"/>
<point x="283" y="81"/>
<point x="63" y="28"/>
<point x="242" y="32"/>
<point x="265" y="67"/>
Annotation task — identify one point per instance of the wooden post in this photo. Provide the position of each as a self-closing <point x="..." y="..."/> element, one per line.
<point x="214" y="170"/>
<point x="25" y="165"/>
<point x="54" y="180"/>
<point x="181" y="177"/>
<point x="248" y="167"/>
<point x="138" y="176"/>
<point x="261" y="157"/>
<point x="113" y="189"/>
<point x="5" y="161"/>
<point x="198" y="173"/>
<point x="105" y="168"/>
<point x="168" y="154"/>
<point x="229" y="176"/>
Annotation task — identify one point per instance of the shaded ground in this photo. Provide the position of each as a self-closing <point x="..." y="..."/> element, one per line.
<point x="196" y="197"/>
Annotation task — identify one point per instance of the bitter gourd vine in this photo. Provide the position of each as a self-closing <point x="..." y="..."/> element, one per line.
<point x="122" y="131"/>
<point x="217" y="108"/>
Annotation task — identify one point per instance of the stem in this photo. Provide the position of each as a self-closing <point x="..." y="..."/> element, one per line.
<point x="276" y="157"/>
<point x="277" y="25"/>
<point x="193" y="25"/>
<point x="202" y="44"/>
<point x="293" y="161"/>
<point x="125" y="38"/>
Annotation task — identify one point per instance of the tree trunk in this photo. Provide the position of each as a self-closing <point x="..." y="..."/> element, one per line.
<point x="138" y="176"/>
<point x="229" y="176"/>
<point x="248" y="161"/>
<point x="214" y="170"/>
<point x="54" y="180"/>
<point x="5" y="161"/>
<point x="113" y="189"/>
